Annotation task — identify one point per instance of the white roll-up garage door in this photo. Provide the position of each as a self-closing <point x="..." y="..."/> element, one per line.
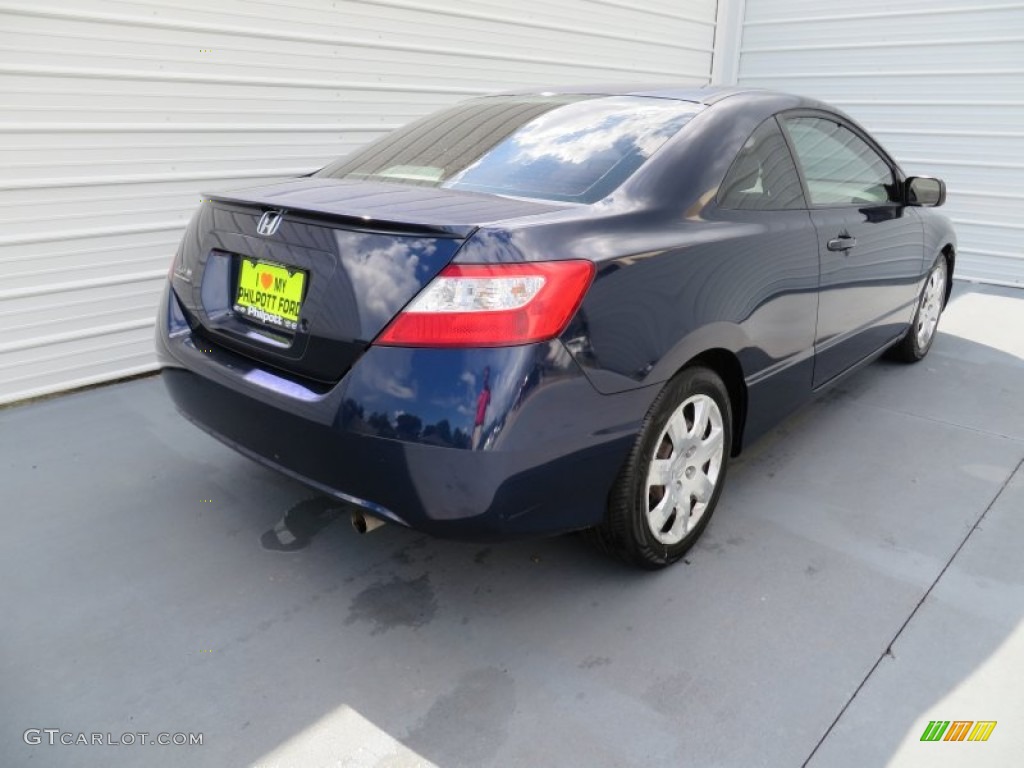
<point x="939" y="82"/>
<point x="115" y="114"/>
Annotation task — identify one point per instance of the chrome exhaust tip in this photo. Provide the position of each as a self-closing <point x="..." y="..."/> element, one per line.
<point x="364" y="524"/>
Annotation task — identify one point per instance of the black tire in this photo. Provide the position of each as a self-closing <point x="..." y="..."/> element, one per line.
<point x="626" y="533"/>
<point x="911" y="348"/>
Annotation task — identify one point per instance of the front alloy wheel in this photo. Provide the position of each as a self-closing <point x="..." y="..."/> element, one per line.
<point x="921" y="334"/>
<point x="932" y="298"/>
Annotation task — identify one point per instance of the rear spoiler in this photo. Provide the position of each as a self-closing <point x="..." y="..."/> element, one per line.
<point x="328" y="214"/>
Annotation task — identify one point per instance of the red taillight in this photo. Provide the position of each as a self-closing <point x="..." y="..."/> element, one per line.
<point x="492" y="305"/>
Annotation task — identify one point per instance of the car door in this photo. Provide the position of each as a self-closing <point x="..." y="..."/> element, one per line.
<point x="774" y="257"/>
<point x="870" y="244"/>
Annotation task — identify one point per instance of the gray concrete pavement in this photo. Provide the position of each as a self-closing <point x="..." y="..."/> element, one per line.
<point x="889" y="512"/>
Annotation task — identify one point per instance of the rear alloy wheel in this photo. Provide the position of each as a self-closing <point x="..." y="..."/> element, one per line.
<point x="921" y="334"/>
<point x="668" y="488"/>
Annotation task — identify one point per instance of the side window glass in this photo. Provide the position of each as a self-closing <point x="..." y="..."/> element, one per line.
<point x="763" y="176"/>
<point x="839" y="167"/>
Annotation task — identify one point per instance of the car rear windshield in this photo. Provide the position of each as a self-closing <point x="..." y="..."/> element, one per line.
<point x="565" y="148"/>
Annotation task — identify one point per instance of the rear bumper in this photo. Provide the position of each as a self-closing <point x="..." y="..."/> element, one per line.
<point x="397" y="434"/>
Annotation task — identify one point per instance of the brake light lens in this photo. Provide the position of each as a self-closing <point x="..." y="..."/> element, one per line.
<point x="492" y="305"/>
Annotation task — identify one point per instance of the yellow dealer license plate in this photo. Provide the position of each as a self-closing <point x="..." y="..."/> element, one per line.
<point x="270" y="293"/>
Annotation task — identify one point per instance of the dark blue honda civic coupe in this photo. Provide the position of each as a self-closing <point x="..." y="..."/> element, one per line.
<point x="542" y="312"/>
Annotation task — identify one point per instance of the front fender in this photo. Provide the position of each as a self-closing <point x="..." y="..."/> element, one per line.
<point x="938" y="233"/>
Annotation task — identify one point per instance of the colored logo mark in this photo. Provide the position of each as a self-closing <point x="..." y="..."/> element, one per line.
<point x="958" y="730"/>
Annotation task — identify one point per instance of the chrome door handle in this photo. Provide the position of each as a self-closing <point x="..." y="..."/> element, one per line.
<point x="842" y="243"/>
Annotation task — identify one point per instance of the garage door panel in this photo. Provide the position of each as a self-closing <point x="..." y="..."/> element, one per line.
<point x="463" y="75"/>
<point x="947" y="85"/>
<point x="28" y="320"/>
<point x="942" y="121"/>
<point x="965" y="176"/>
<point x="990" y="53"/>
<point x="283" y="162"/>
<point x="984" y="206"/>
<point x="88" y="96"/>
<point x="988" y="235"/>
<point x="63" y="150"/>
<point x="84" y="99"/>
<point x="826" y="23"/>
<point x="29" y="200"/>
<point x="800" y="10"/>
<point x="204" y="37"/>
<point x="979" y="150"/>
<point x="218" y="115"/>
<point x="998" y="268"/>
<point x="694" y="21"/>
<point x="608" y="11"/>
<point x="24" y="221"/>
<point x="77" y="362"/>
<point x="87" y="99"/>
<point x="292" y="61"/>
<point x="939" y="118"/>
<point x="67" y="258"/>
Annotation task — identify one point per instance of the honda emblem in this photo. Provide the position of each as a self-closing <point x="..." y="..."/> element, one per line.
<point x="269" y="222"/>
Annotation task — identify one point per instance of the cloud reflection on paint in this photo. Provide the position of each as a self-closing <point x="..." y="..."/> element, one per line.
<point x="384" y="271"/>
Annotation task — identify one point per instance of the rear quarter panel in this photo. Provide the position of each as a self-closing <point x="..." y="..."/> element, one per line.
<point x="677" y="277"/>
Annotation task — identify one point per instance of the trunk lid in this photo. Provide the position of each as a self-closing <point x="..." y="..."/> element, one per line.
<point x="345" y="257"/>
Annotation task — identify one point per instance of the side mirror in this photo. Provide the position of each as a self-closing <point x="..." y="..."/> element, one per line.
<point x="924" y="190"/>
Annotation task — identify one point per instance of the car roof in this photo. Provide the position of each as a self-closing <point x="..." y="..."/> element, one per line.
<point x="699" y="94"/>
